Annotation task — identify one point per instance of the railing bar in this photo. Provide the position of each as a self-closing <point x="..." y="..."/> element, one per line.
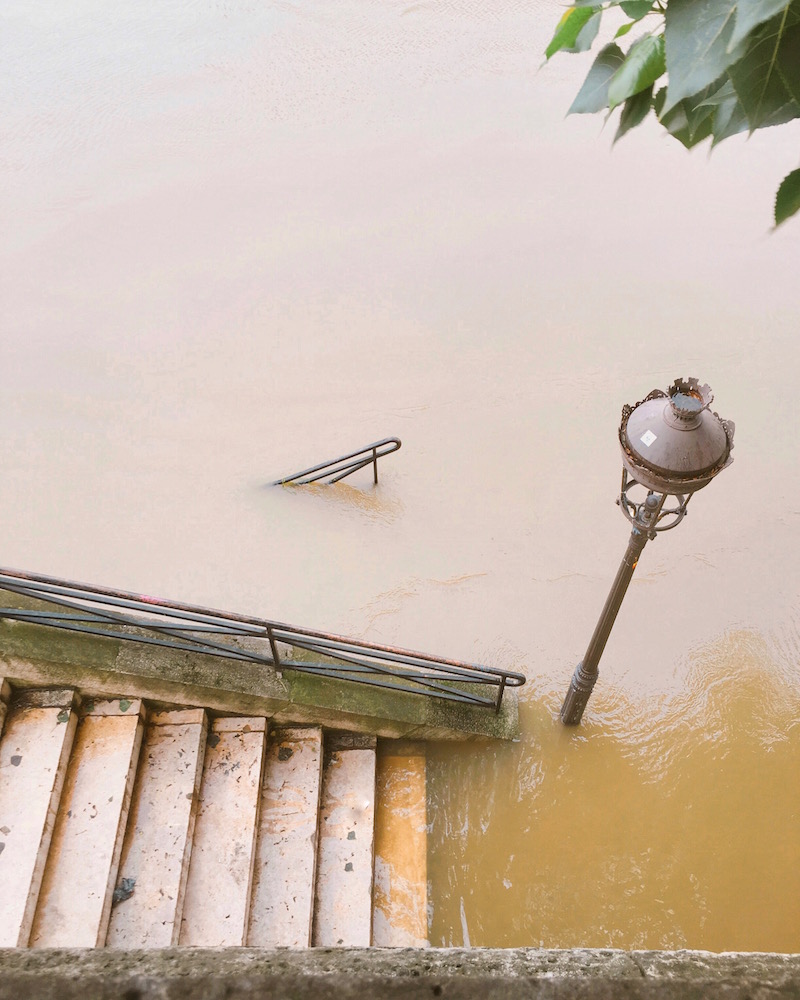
<point x="228" y="652"/>
<point x="119" y="619"/>
<point x="326" y="472"/>
<point x="361" y="465"/>
<point x="444" y="671"/>
<point x="348" y="471"/>
<point x="177" y="622"/>
<point x="31" y="615"/>
<point x="343" y="458"/>
<point x="288" y="631"/>
<point x="23" y="579"/>
<point x="411" y="675"/>
<point x="195" y="612"/>
<point x="446" y="694"/>
<point x="433" y="685"/>
<point x="397" y="656"/>
<point x="38" y="593"/>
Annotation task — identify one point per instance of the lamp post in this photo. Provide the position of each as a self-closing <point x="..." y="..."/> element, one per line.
<point x="672" y="446"/>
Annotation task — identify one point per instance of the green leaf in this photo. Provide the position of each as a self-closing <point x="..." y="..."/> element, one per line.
<point x="636" y="9"/>
<point x="751" y="13"/>
<point x="624" y="29"/>
<point x="634" y="111"/>
<point x="787" y="200"/>
<point x="643" y="65"/>
<point x="697" y="34"/>
<point x="690" y="121"/>
<point x="568" y="30"/>
<point x="729" y="119"/>
<point x="720" y="95"/>
<point x="788" y="60"/>
<point x="587" y="34"/>
<point x="593" y="95"/>
<point x="758" y="83"/>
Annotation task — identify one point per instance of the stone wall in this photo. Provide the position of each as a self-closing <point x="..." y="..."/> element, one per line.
<point x="410" y="974"/>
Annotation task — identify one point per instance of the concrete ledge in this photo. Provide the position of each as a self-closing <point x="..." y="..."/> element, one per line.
<point x="416" y="974"/>
<point x="34" y="655"/>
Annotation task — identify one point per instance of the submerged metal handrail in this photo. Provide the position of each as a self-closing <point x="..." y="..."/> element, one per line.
<point x="138" y="618"/>
<point x="372" y="452"/>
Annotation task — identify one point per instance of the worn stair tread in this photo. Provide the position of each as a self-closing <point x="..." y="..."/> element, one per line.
<point x="286" y="855"/>
<point x="217" y="899"/>
<point x="400" y="896"/>
<point x="151" y="881"/>
<point x="343" y="907"/>
<point x="34" y="754"/>
<point x="75" y="897"/>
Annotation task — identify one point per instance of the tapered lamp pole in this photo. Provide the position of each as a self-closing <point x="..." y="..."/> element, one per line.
<point x="586" y="672"/>
<point x="693" y="446"/>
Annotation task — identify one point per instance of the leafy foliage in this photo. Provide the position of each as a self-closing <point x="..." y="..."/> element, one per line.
<point x="724" y="67"/>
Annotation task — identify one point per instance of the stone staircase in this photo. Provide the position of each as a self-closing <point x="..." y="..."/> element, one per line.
<point x="128" y="824"/>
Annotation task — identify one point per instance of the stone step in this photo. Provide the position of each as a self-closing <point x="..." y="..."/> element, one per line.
<point x="148" y="899"/>
<point x="217" y="901"/>
<point x="167" y="829"/>
<point x="75" y="898"/>
<point x="343" y="906"/>
<point x="400" y="895"/>
<point x="34" y="754"/>
<point x="286" y="857"/>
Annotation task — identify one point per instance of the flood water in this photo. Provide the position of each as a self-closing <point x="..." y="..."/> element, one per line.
<point x="239" y="238"/>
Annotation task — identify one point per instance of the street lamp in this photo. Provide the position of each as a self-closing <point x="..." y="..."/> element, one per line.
<point x="672" y="446"/>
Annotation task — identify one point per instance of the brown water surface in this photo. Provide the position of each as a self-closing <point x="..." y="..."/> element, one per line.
<point x="239" y="238"/>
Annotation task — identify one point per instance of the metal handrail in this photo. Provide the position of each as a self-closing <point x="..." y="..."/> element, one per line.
<point x="137" y="618"/>
<point x="333" y="468"/>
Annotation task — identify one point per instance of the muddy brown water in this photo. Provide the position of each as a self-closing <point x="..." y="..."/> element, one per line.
<point x="239" y="238"/>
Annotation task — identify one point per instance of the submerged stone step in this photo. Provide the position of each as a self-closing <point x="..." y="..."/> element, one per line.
<point x="400" y="894"/>
<point x="75" y="897"/>
<point x="34" y="754"/>
<point x="217" y="900"/>
<point x="343" y="908"/>
<point x="148" y="899"/>
<point x="286" y="855"/>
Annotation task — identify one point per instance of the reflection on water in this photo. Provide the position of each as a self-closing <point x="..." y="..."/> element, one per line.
<point x="238" y="233"/>
<point x="373" y="504"/>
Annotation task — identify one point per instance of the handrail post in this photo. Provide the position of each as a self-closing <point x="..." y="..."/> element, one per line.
<point x="375" y="464"/>
<point x="274" y="647"/>
<point x="501" y="687"/>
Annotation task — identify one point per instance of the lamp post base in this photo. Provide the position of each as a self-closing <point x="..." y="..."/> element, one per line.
<point x="578" y="695"/>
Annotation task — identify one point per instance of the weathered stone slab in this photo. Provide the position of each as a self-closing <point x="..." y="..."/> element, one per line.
<point x="34" y="754"/>
<point x="75" y="898"/>
<point x="400" y="894"/>
<point x="217" y="902"/>
<point x="155" y="855"/>
<point x="395" y="974"/>
<point x="343" y="909"/>
<point x="286" y="856"/>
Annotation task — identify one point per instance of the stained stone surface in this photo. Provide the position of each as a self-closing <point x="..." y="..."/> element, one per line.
<point x="352" y="974"/>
